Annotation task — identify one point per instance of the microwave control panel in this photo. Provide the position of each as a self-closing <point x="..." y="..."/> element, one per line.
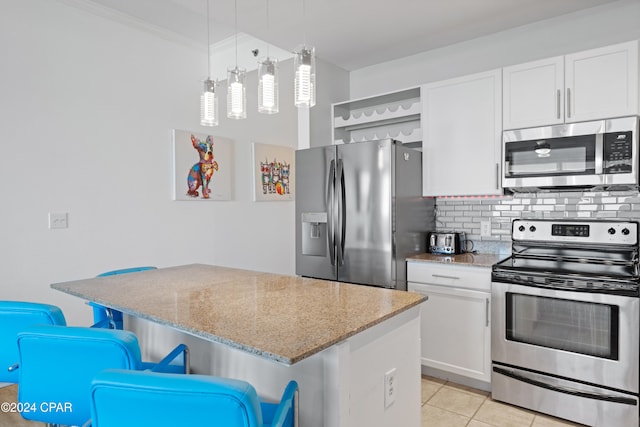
<point x="618" y="152"/>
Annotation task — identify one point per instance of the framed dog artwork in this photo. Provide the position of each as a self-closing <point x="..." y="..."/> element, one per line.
<point x="273" y="172"/>
<point x="202" y="166"/>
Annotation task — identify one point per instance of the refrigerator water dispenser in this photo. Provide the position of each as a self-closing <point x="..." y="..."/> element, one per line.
<point x="314" y="233"/>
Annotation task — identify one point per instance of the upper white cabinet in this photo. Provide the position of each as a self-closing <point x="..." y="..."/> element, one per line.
<point x="462" y="128"/>
<point x="393" y="115"/>
<point x="533" y="93"/>
<point x="590" y="85"/>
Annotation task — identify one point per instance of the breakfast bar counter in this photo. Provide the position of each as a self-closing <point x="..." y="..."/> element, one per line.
<point x="339" y="341"/>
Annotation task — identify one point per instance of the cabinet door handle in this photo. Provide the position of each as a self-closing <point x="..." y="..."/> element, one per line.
<point x="558" y="104"/>
<point x="568" y="102"/>
<point x="441" y="276"/>
<point x="497" y="176"/>
<point x="486" y="312"/>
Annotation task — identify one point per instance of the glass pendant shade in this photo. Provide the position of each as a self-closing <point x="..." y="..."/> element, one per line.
<point x="236" y="94"/>
<point x="209" y="104"/>
<point x="268" y="86"/>
<point x="305" y="79"/>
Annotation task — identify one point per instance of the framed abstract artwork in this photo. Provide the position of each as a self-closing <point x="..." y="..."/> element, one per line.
<point x="202" y="166"/>
<point x="273" y="172"/>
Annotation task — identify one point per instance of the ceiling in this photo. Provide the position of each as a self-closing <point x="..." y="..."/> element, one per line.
<point x="348" y="33"/>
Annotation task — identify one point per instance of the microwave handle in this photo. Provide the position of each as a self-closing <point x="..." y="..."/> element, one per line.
<point x="599" y="149"/>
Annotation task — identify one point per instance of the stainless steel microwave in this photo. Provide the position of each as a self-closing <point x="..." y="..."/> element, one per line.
<point x="600" y="155"/>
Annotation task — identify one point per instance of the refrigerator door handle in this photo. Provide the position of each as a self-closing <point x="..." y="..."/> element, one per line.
<point x="342" y="212"/>
<point x="331" y="196"/>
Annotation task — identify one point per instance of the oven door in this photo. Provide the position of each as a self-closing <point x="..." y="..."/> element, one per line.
<point x="589" y="337"/>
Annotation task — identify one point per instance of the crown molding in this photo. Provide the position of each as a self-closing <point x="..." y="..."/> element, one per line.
<point x="97" y="9"/>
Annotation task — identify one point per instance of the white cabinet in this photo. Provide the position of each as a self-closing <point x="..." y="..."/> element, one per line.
<point x="393" y="115"/>
<point x="455" y="320"/>
<point x="591" y="85"/>
<point x="533" y="93"/>
<point x="462" y="128"/>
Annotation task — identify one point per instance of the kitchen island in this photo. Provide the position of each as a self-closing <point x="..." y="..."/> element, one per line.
<point x="339" y="341"/>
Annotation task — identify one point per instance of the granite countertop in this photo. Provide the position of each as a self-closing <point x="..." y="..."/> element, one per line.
<point x="283" y="318"/>
<point x="476" y="260"/>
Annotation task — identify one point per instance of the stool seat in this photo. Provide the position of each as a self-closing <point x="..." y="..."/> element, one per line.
<point x="167" y="400"/>
<point x="14" y="317"/>
<point x="58" y="363"/>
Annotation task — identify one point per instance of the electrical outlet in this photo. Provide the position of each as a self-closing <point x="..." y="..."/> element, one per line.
<point x="58" y="220"/>
<point x="389" y="388"/>
<point x="485" y="228"/>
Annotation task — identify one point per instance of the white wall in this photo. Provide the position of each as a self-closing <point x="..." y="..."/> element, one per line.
<point x="595" y="27"/>
<point x="333" y="86"/>
<point x="86" y="111"/>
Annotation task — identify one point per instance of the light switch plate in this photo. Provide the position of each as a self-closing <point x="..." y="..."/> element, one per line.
<point x="485" y="228"/>
<point x="58" y="220"/>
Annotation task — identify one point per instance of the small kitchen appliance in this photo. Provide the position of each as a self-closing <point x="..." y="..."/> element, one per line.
<point x="446" y="242"/>
<point x="600" y="154"/>
<point x="565" y="320"/>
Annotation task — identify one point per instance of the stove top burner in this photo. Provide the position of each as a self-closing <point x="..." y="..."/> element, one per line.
<point x="599" y="261"/>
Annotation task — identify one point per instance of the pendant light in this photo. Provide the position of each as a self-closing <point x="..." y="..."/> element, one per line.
<point x="209" y="97"/>
<point x="236" y="87"/>
<point x="305" y="78"/>
<point x="268" y="80"/>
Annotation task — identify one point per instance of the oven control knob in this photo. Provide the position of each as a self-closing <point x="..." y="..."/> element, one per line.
<point x="532" y="228"/>
<point x="521" y="228"/>
<point x="625" y="231"/>
<point x="612" y="230"/>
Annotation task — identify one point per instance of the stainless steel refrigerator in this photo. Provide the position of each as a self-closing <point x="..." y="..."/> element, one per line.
<point x="360" y="212"/>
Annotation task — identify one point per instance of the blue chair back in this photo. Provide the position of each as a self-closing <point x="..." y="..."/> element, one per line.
<point x="14" y="317"/>
<point x="126" y="398"/>
<point x="126" y="271"/>
<point x="100" y="313"/>
<point x="57" y="364"/>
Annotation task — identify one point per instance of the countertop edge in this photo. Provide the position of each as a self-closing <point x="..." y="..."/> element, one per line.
<point x="485" y="260"/>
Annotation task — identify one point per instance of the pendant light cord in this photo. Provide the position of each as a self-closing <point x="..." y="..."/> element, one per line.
<point x="304" y="19"/>
<point x="236" y="23"/>
<point x="267" y="12"/>
<point x="208" y="43"/>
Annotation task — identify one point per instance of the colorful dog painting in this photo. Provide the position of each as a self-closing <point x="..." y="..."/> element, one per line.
<point x="201" y="173"/>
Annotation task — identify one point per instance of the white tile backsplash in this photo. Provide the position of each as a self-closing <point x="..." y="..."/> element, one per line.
<point x="461" y="214"/>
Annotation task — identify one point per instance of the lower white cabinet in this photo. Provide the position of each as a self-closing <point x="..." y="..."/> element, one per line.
<point x="455" y="320"/>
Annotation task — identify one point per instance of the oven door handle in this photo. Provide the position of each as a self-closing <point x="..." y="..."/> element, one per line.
<point x="565" y="390"/>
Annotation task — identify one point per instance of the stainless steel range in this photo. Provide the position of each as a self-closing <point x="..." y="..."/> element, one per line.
<point x="565" y="321"/>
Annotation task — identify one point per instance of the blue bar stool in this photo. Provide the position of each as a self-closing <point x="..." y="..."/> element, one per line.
<point x="128" y="398"/>
<point x="105" y="314"/>
<point x="58" y="363"/>
<point x="14" y="317"/>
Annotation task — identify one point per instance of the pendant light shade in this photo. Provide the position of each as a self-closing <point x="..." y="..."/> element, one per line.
<point x="236" y="87"/>
<point x="209" y="97"/>
<point x="236" y="94"/>
<point x="305" y="78"/>
<point x="209" y="104"/>
<point x="268" y="86"/>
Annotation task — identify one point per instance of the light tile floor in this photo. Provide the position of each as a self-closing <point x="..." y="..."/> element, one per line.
<point x="444" y="404"/>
